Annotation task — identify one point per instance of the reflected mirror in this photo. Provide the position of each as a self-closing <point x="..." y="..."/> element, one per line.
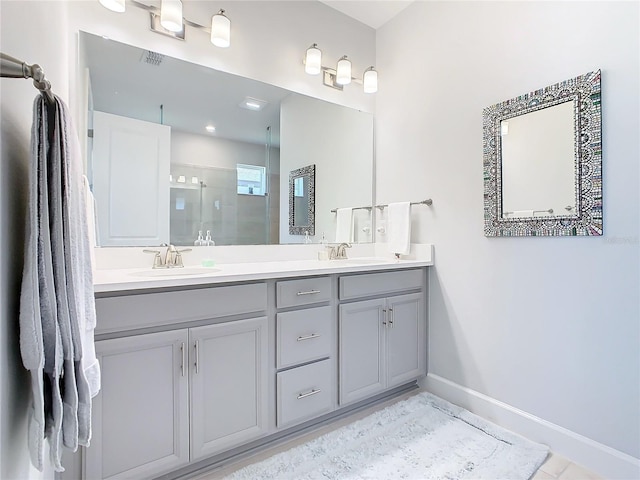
<point x="302" y="201"/>
<point x="543" y="161"/>
<point x="177" y="149"/>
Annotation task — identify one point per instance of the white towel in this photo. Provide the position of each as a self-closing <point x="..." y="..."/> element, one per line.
<point x="57" y="309"/>
<point x="344" y="225"/>
<point x="90" y="206"/>
<point x="399" y="228"/>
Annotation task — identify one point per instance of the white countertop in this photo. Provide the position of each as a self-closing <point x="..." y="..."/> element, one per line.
<point x="115" y="280"/>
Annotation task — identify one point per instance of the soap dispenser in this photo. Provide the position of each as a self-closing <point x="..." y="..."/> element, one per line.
<point x="208" y="259"/>
<point x="323" y="253"/>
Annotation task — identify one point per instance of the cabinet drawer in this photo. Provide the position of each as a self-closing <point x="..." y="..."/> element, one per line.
<point x="155" y="309"/>
<point x="303" y="335"/>
<point x="304" y="392"/>
<point x="304" y="291"/>
<point x="354" y="286"/>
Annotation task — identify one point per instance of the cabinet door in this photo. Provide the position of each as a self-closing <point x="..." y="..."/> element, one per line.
<point x="228" y="385"/>
<point x="141" y="415"/>
<point x="406" y="339"/>
<point x="362" y="356"/>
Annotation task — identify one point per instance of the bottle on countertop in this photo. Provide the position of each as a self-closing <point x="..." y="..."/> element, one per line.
<point x="199" y="241"/>
<point x="323" y="253"/>
<point x="208" y="258"/>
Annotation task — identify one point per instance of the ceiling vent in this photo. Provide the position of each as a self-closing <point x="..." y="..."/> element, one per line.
<point x="152" y="58"/>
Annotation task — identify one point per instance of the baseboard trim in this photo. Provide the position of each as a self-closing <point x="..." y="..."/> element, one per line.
<point x="606" y="461"/>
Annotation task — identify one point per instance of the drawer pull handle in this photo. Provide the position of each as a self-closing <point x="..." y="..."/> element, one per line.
<point x="183" y="351"/>
<point x="308" y="337"/>
<point x="197" y="355"/>
<point x="308" y="394"/>
<point x="310" y="292"/>
<point x="391" y="317"/>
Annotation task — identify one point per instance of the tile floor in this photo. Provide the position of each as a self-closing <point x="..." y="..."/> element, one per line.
<point x="556" y="466"/>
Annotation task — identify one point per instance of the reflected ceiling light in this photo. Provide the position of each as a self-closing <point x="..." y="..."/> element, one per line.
<point x="210" y="128"/>
<point x="370" y="80"/>
<point x="113" y="5"/>
<point x="313" y="60"/>
<point x="220" y="30"/>
<point x="171" y="15"/>
<point x="343" y="71"/>
<point x="254" y="104"/>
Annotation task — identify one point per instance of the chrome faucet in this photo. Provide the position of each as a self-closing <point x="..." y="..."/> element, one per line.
<point x="341" y="250"/>
<point x="172" y="257"/>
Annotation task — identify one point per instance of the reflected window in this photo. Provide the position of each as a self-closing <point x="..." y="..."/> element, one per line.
<point x="251" y="179"/>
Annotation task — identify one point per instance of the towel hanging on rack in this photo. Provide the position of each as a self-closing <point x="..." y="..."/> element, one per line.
<point x="57" y="308"/>
<point x="399" y="228"/>
<point x="344" y="225"/>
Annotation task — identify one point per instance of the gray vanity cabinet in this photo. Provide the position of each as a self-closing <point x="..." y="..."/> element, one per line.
<point x="228" y="385"/>
<point x="382" y="341"/>
<point x="141" y="415"/>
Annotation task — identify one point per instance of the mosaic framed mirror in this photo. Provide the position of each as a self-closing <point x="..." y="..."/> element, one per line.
<point x="302" y="201"/>
<point x="543" y="161"/>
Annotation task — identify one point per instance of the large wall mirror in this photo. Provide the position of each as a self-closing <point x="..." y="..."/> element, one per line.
<point x="177" y="148"/>
<point x="543" y="161"/>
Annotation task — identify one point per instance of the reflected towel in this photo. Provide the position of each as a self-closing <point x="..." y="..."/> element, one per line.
<point x="399" y="228"/>
<point x="90" y="207"/>
<point x="344" y="225"/>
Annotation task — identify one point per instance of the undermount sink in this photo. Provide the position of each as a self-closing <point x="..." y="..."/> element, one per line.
<point x="174" y="272"/>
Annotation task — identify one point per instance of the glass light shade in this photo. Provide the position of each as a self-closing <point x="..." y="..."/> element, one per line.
<point x="113" y="5"/>
<point x="343" y="72"/>
<point x="370" y="81"/>
<point x="313" y="60"/>
<point x="220" y="30"/>
<point x="171" y="15"/>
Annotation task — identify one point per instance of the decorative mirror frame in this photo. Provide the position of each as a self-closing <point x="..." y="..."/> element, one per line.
<point x="584" y="91"/>
<point x="308" y="171"/>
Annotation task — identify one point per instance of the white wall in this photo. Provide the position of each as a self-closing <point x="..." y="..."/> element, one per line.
<point x="192" y="149"/>
<point x="549" y="326"/>
<point x="34" y="32"/>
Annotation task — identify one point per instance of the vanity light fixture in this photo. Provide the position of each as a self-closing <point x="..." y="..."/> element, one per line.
<point x="341" y="75"/>
<point x="168" y="20"/>
<point x="171" y="15"/>
<point x="210" y="128"/>
<point x="113" y="5"/>
<point x="313" y="60"/>
<point x="343" y="71"/>
<point x="220" y="30"/>
<point x="370" y="80"/>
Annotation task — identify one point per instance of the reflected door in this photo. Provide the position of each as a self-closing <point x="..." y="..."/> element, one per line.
<point x="130" y="172"/>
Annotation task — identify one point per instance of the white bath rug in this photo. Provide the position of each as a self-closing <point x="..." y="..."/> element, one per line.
<point x="420" y="438"/>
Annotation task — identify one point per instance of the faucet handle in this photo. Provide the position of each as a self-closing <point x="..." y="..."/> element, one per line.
<point x="178" y="259"/>
<point x="157" y="259"/>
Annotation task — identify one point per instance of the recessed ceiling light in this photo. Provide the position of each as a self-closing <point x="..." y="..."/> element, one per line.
<point x="254" y="104"/>
<point x="210" y="128"/>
